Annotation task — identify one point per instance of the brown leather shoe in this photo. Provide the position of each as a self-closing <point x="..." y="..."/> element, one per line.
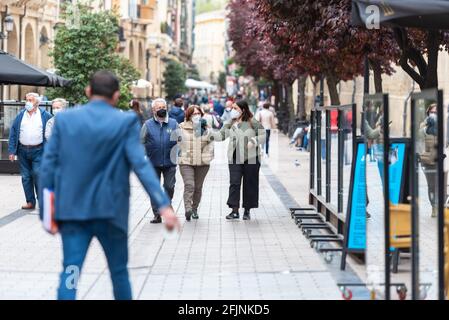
<point x="29" y="206"/>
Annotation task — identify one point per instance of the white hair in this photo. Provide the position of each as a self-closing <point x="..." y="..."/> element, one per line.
<point x="60" y="100"/>
<point x="158" y="100"/>
<point x="33" y="94"/>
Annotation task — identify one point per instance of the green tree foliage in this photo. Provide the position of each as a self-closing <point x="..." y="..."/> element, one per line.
<point x="203" y="6"/>
<point x="174" y="78"/>
<point x="85" y="45"/>
<point x="193" y="73"/>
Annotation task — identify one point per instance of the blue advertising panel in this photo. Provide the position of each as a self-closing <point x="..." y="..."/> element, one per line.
<point x="357" y="224"/>
<point x="396" y="169"/>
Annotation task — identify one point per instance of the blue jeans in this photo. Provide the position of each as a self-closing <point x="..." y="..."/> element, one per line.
<point x="76" y="237"/>
<point x="305" y="141"/>
<point x="323" y="149"/>
<point x="29" y="161"/>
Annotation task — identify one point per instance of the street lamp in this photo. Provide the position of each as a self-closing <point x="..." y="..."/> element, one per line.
<point x="148" y="56"/>
<point x="9" y="23"/>
<point x="9" y="26"/>
<point x="159" y="80"/>
<point x="43" y="40"/>
<point x="121" y="39"/>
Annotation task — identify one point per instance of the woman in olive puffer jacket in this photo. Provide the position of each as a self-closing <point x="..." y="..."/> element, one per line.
<point x="196" y="153"/>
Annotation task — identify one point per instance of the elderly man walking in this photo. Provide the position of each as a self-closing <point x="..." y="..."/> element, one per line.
<point x="26" y="141"/>
<point x="159" y="136"/>
<point x="57" y="105"/>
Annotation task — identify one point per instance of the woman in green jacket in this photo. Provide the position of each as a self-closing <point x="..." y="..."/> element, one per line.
<point x="244" y="153"/>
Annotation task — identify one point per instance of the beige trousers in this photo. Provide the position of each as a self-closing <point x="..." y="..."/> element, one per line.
<point x="193" y="177"/>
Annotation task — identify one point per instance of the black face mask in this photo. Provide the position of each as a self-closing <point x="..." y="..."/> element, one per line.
<point x="162" y="113"/>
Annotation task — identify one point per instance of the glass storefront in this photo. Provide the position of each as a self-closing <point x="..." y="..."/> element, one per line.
<point x="8" y="112"/>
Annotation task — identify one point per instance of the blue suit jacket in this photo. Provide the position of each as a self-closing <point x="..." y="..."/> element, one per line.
<point x="14" y="134"/>
<point x="88" y="160"/>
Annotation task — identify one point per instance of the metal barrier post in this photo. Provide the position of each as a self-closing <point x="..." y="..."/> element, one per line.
<point x="340" y="160"/>
<point x="312" y="150"/>
<point x="318" y="150"/>
<point x="328" y="156"/>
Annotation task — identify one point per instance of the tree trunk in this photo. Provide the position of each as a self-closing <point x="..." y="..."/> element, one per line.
<point x="301" y="112"/>
<point x="377" y="70"/>
<point x="290" y="104"/>
<point x="427" y="75"/>
<point x="332" y="83"/>
<point x="276" y="92"/>
<point x="432" y="60"/>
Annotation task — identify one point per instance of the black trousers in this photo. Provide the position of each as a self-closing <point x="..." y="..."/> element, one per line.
<point x="169" y="174"/>
<point x="267" y="140"/>
<point x="250" y="175"/>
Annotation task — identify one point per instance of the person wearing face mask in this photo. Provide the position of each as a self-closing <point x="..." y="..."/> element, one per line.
<point x="428" y="155"/>
<point x="57" y="105"/>
<point x="26" y="141"/>
<point x="159" y="135"/>
<point x="244" y="153"/>
<point x="226" y="117"/>
<point x="87" y="162"/>
<point x="196" y="153"/>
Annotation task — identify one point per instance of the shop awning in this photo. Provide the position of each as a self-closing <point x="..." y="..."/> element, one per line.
<point x="426" y="14"/>
<point x="16" y="71"/>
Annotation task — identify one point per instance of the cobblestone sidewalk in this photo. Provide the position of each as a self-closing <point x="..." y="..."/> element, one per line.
<point x="265" y="258"/>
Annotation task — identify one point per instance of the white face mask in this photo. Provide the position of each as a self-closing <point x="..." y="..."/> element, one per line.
<point x="196" y="118"/>
<point x="235" y="114"/>
<point x="55" y="111"/>
<point x="29" y="106"/>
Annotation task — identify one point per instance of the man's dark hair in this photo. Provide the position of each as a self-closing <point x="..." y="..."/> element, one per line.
<point x="104" y="83"/>
<point x="266" y="105"/>
<point x="179" y="102"/>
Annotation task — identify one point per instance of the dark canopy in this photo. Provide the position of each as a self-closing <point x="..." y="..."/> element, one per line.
<point x="16" y="71"/>
<point x="426" y="14"/>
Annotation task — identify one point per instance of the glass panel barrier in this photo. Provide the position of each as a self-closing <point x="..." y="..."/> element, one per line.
<point x="375" y="226"/>
<point x="425" y="175"/>
<point x="346" y="127"/>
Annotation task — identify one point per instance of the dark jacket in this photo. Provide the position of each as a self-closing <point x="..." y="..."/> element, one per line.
<point x="15" y="129"/>
<point x="177" y="113"/>
<point x="160" y="141"/>
<point x="87" y="162"/>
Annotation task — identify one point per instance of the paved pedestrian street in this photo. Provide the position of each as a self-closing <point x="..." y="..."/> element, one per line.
<point x="264" y="258"/>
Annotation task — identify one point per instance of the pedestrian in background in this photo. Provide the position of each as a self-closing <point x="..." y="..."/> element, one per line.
<point x="177" y="111"/>
<point x="211" y="117"/>
<point x="26" y="141"/>
<point x="218" y="107"/>
<point x="159" y="136"/>
<point x="244" y="153"/>
<point x="196" y="153"/>
<point x="87" y="163"/>
<point x="135" y="106"/>
<point x="266" y="118"/>
<point x="428" y="155"/>
<point x="226" y="117"/>
<point x="57" y="105"/>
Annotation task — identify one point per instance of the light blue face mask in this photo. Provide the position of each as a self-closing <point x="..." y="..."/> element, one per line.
<point x="29" y="106"/>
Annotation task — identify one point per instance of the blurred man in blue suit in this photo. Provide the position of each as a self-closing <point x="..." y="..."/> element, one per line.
<point x="87" y="163"/>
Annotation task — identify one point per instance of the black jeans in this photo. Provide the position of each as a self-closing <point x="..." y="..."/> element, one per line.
<point x="267" y="140"/>
<point x="169" y="174"/>
<point x="250" y="175"/>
